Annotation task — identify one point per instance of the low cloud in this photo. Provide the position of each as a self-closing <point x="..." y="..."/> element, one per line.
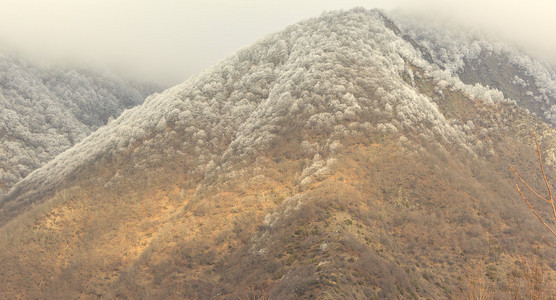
<point x="530" y="24"/>
<point x="168" y="41"/>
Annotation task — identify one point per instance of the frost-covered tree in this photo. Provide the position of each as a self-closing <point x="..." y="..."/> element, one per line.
<point x="341" y="74"/>
<point x="46" y="111"/>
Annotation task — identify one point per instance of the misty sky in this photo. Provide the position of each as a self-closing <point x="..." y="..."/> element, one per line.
<point x="167" y="41"/>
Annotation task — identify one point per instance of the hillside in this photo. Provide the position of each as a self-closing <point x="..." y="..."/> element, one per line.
<point x="338" y="158"/>
<point x="48" y="110"/>
<point x="478" y="58"/>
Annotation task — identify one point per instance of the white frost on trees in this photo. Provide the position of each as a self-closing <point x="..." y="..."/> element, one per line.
<point x="339" y="74"/>
<point x="46" y="111"/>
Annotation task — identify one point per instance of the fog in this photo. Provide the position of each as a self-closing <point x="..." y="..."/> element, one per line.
<point x="168" y="41"/>
<point x="530" y="24"/>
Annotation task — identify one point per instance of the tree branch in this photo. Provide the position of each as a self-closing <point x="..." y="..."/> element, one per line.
<point x="550" y="200"/>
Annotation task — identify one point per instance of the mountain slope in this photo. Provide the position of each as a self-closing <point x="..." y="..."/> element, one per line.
<point x="329" y="160"/>
<point x="46" y="111"/>
<point x="476" y="58"/>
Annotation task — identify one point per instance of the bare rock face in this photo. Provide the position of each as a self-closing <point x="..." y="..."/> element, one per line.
<point x="343" y="157"/>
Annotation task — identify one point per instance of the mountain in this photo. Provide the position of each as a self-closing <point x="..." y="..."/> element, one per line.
<point x="47" y="110"/>
<point x="343" y="157"/>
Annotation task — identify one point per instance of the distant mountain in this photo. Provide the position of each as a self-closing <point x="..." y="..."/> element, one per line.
<point x="344" y="157"/>
<point x="46" y="111"/>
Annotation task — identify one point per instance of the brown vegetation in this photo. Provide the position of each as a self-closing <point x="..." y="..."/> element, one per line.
<point x="529" y="281"/>
<point x="382" y="223"/>
<point x="398" y="215"/>
<point x="478" y="287"/>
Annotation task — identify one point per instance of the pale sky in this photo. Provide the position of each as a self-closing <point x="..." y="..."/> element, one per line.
<point x="167" y="41"/>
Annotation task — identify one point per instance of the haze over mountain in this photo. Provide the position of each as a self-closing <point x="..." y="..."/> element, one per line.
<point x="46" y="111"/>
<point x="355" y="155"/>
<point x="155" y="41"/>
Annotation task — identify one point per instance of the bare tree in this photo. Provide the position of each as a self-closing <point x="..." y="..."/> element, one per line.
<point x="550" y="200"/>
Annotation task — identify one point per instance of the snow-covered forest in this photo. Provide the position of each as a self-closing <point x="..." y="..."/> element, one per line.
<point x="45" y="111"/>
<point x="457" y="50"/>
<point x="341" y="73"/>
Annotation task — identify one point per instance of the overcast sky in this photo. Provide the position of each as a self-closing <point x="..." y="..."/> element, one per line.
<point x="169" y="40"/>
